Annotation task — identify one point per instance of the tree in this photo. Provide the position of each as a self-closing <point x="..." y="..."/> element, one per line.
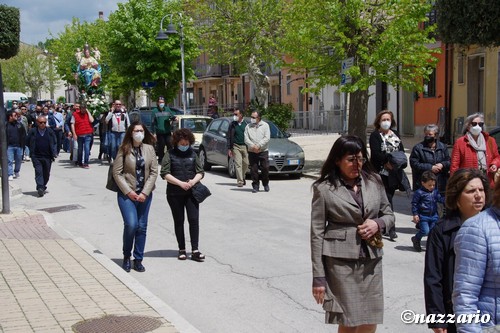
<point x="469" y="22"/>
<point x="385" y="39"/>
<point x="241" y="33"/>
<point x="135" y="55"/>
<point x="26" y="71"/>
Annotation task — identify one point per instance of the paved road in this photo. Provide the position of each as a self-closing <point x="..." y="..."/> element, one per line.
<point x="257" y="275"/>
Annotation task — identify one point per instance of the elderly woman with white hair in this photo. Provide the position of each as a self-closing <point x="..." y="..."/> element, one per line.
<point x="430" y="154"/>
<point x="475" y="149"/>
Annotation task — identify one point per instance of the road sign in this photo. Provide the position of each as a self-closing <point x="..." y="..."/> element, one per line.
<point x="346" y="64"/>
<point x="148" y="84"/>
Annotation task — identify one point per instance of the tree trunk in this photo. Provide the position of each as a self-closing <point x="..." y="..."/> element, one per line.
<point x="358" y="109"/>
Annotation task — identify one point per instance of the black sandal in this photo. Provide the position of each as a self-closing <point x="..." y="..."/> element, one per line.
<point x="182" y="255"/>
<point x="197" y="256"/>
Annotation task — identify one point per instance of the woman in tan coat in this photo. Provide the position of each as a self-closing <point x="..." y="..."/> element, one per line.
<point x="349" y="213"/>
<point x="135" y="170"/>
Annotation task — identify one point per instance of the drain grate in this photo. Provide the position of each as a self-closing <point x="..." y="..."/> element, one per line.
<point x="62" y="208"/>
<point x="117" y="324"/>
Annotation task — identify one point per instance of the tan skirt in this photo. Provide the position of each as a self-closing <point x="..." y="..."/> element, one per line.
<point x="355" y="291"/>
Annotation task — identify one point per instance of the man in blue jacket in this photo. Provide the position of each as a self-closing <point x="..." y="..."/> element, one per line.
<point x="15" y="144"/>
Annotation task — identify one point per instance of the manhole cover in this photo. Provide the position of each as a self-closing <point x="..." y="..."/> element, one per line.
<point x="117" y="324"/>
<point x="61" y="208"/>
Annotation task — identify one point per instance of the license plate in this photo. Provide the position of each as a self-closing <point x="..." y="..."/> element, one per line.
<point x="293" y="162"/>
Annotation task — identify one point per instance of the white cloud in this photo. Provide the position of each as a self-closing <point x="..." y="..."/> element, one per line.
<point x="39" y="18"/>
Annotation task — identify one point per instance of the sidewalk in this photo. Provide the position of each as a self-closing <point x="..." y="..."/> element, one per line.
<point x="52" y="283"/>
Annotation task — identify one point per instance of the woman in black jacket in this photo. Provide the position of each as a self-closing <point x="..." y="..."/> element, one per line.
<point x="430" y="154"/>
<point x="467" y="193"/>
<point x="383" y="141"/>
<point x="182" y="169"/>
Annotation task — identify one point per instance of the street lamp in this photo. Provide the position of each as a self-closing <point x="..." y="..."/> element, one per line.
<point x="163" y="35"/>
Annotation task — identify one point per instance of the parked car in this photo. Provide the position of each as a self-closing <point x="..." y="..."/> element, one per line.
<point x="145" y="115"/>
<point x="285" y="156"/>
<point x="197" y="125"/>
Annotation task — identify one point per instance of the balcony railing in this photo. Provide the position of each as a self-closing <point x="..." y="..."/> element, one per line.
<point x="207" y="70"/>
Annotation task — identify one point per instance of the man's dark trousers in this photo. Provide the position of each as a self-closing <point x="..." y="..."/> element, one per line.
<point x="42" y="167"/>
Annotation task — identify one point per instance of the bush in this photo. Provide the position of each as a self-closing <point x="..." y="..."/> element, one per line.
<point x="280" y="114"/>
<point x="9" y="31"/>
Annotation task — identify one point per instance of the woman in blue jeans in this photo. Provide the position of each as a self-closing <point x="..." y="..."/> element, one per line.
<point x="135" y="170"/>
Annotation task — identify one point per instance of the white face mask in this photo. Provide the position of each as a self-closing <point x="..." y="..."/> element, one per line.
<point x="138" y="137"/>
<point x="475" y="130"/>
<point x="385" y="125"/>
<point x="162" y="105"/>
<point x="253" y="120"/>
<point x="235" y="118"/>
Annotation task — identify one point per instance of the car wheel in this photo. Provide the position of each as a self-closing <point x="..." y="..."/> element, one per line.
<point x="203" y="160"/>
<point x="231" y="167"/>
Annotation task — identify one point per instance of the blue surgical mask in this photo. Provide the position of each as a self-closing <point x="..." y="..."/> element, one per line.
<point x="162" y="105"/>
<point x="183" y="148"/>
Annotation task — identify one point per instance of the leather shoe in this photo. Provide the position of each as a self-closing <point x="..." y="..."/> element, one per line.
<point x="255" y="190"/>
<point x="138" y="266"/>
<point x="392" y="234"/>
<point x="266" y="188"/>
<point x="126" y="264"/>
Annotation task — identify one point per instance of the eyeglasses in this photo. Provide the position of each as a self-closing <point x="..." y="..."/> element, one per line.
<point x="360" y="160"/>
<point x="118" y="103"/>
<point x="138" y="131"/>
<point x="475" y="123"/>
<point x="253" y="117"/>
<point x="42" y="122"/>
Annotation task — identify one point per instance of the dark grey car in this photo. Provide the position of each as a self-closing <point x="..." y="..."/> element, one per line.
<point x="285" y="156"/>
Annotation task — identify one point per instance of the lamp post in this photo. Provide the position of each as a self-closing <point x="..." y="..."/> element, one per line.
<point x="163" y="35"/>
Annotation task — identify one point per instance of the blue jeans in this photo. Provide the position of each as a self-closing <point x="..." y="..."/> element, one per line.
<point x="116" y="139"/>
<point x="84" y="148"/>
<point x="14" y="156"/>
<point x="426" y="224"/>
<point x="135" y="224"/>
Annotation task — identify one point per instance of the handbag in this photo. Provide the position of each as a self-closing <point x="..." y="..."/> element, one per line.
<point x="200" y="192"/>
<point x="111" y="183"/>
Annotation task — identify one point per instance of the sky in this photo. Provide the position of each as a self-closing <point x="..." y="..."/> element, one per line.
<point x="41" y="18"/>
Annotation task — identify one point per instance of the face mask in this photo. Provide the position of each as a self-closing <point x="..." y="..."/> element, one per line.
<point x="183" y="148"/>
<point x="475" y="130"/>
<point x="138" y="137"/>
<point x="162" y="105"/>
<point x="235" y="118"/>
<point x="429" y="139"/>
<point x="385" y="125"/>
<point x="51" y="111"/>
<point x="253" y="120"/>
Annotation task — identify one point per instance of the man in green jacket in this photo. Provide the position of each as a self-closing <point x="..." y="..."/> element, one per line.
<point x="162" y="117"/>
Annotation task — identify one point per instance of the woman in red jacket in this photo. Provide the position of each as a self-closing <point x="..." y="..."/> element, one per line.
<point x="475" y="149"/>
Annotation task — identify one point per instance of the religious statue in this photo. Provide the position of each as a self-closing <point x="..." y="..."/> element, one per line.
<point x="260" y="81"/>
<point x="97" y="53"/>
<point x="78" y="55"/>
<point x="89" y="69"/>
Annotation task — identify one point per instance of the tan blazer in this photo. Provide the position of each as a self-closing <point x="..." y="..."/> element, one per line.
<point x="124" y="170"/>
<point x="335" y="217"/>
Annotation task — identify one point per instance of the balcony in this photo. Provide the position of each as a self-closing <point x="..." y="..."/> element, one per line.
<point x="207" y="70"/>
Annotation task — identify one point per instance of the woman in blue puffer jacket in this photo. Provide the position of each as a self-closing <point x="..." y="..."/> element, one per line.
<point x="476" y="290"/>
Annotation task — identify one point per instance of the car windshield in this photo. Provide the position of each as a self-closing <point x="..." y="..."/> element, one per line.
<point x="275" y="131"/>
<point x="196" y="125"/>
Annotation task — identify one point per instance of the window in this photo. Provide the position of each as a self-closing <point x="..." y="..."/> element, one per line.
<point x="288" y="85"/>
<point x="430" y="85"/>
<point x="460" y="69"/>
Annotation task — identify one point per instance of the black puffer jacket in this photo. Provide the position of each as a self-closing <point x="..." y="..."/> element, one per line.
<point x="439" y="269"/>
<point x="422" y="158"/>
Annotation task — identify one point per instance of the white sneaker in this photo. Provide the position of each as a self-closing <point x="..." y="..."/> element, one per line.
<point x="11" y="178"/>
<point x="27" y="159"/>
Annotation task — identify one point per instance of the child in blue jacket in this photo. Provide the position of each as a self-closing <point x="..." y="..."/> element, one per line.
<point x="424" y="207"/>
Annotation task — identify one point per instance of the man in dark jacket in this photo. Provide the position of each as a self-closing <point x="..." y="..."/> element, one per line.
<point x="16" y="135"/>
<point x="237" y="148"/>
<point x="43" y="148"/>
